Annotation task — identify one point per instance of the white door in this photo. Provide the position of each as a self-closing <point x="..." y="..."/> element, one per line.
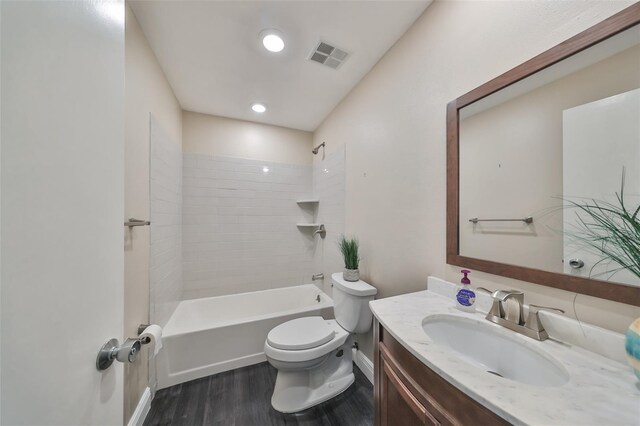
<point x="599" y="139"/>
<point x="61" y="175"/>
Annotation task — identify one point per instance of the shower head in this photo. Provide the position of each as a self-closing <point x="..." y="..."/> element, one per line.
<point x="317" y="148"/>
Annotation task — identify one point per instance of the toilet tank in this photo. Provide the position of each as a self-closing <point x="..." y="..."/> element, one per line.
<point x="351" y="303"/>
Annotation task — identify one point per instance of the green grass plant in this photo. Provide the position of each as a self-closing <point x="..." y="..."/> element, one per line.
<point x="349" y="249"/>
<point x="611" y="229"/>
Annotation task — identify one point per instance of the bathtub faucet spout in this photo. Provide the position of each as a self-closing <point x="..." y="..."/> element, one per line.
<point x="317" y="277"/>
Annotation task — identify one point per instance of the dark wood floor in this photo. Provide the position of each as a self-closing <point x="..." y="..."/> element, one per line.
<point x="242" y="397"/>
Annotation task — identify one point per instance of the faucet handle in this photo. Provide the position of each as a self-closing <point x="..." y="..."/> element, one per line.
<point x="536" y="308"/>
<point x="322" y="231"/>
<point x="503" y="295"/>
<point x="486" y="290"/>
<point x="533" y="320"/>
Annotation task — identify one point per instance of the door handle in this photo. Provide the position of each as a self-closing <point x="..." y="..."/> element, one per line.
<point x="576" y="263"/>
<point x="112" y="351"/>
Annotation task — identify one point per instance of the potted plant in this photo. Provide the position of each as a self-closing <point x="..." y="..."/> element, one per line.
<point x="349" y="250"/>
<point x="613" y="231"/>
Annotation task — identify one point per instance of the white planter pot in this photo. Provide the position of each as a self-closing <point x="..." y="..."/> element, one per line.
<point x="351" y="275"/>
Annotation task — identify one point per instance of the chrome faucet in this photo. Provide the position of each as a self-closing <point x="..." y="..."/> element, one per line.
<point x="502" y="297"/>
<point x="532" y="327"/>
<point x="317" y="277"/>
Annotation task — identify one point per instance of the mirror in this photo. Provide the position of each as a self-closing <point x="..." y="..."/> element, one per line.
<point x="536" y="162"/>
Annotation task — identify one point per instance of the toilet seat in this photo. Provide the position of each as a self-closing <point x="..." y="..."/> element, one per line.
<point x="301" y="333"/>
<point x="338" y="337"/>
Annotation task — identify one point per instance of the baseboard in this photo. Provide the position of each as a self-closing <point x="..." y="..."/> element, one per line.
<point x="144" y="405"/>
<point x="364" y="364"/>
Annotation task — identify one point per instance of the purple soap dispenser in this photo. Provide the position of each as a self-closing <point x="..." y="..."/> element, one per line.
<point x="465" y="296"/>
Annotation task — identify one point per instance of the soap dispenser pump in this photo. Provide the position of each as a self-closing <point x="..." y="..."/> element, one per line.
<point x="465" y="296"/>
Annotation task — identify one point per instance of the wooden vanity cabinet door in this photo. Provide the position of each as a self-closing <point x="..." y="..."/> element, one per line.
<point x="407" y="392"/>
<point x="398" y="405"/>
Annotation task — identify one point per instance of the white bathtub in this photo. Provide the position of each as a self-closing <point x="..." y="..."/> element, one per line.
<point x="214" y="334"/>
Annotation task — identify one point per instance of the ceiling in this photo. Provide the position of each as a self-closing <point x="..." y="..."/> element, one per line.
<point x="213" y="57"/>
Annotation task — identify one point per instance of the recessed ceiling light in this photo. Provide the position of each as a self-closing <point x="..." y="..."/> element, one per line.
<point x="272" y="40"/>
<point x="265" y="169"/>
<point x="259" y="108"/>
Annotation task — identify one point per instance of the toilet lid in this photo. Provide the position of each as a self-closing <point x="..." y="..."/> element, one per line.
<point x="301" y="333"/>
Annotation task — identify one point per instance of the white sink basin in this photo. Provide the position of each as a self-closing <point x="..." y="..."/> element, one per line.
<point x="494" y="350"/>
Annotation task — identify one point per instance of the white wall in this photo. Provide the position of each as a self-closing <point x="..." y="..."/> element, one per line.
<point x="239" y="225"/>
<point x="165" y="265"/>
<point x="62" y="204"/>
<point x="329" y="187"/>
<point x="226" y="137"/>
<point x="147" y="92"/>
<point x="393" y="124"/>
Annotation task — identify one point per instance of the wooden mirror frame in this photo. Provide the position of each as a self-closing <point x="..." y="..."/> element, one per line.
<point x="623" y="293"/>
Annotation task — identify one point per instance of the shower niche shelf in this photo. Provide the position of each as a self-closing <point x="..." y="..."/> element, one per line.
<point x="310" y="205"/>
<point x="308" y="201"/>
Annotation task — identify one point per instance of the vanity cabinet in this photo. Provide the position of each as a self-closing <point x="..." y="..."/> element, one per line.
<point x="407" y="392"/>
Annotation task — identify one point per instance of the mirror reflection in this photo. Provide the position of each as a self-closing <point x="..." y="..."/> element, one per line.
<point x="542" y="165"/>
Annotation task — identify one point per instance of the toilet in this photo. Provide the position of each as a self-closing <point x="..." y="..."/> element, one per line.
<point x="313" y="355"/>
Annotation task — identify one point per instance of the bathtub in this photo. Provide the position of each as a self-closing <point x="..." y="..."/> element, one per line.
<point x="214" y="334"/>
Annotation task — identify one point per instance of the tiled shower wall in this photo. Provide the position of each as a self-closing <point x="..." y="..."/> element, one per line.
<point x="329" y="187"/>
<point x="165" y="193"/>
<point x="239" y="225"/>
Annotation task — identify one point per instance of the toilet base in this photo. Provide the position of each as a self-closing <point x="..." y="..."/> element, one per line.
<point x="298" y="390"/>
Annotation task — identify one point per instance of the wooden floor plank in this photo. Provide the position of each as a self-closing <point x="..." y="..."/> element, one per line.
<point x="220" y="409"/>
<point x="166" y="401"/>
<point x="192" y="402"/>
<point x="242" y="397"/>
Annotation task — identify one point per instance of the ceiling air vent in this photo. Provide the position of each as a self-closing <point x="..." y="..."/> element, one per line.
<point x="328" y="55"/>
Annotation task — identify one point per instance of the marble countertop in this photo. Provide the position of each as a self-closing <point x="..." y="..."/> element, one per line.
<point x="600" y="390"/>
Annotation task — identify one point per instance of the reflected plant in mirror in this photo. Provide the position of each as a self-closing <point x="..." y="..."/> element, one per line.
<point x="612" y="230"/>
